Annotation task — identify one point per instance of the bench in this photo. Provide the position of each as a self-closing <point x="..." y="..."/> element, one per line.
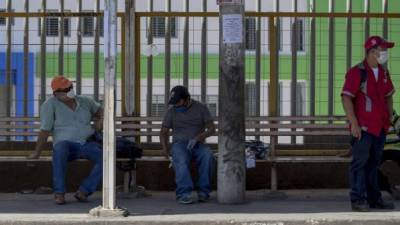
<point x="268" y="129"/>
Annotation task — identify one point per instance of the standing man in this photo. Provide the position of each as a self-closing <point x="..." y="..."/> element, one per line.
<point x="191" y="123"/>
<point x="67" y="117"/>
<point x="367" y="101"/>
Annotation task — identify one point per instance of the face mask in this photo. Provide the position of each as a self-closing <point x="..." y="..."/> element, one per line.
<point x="383" y="57"/>
<point x="181" y="109"/>
<point x="71" y="93"/>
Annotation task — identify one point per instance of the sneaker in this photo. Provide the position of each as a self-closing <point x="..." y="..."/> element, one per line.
<point x="359" y="207"/>
<point x="203" y="198"/>
<point x="59" y="199"/>
<point x="380" y="204"/>
<point x="185" y="200"/>
<point x="81" y="197"/>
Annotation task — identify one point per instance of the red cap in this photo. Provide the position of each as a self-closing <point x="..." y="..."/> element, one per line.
<point x="60" y="83"/>
<point x="376" y="41"/>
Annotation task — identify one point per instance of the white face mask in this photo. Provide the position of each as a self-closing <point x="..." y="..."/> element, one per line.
<point x="383" y="57"/>
<point x="71" y="93"/>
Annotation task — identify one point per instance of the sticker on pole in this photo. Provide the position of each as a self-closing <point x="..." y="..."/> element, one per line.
<point x="232" y="28"/>
<point x="219" y="2"/>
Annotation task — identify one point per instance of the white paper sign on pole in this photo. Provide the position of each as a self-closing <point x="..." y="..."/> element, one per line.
<point x="232" y="28"/>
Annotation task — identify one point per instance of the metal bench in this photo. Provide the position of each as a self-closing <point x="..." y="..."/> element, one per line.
<point x="256" y="127"/>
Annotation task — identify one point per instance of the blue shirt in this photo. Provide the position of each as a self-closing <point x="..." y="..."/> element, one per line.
<point x="66" y="124"/>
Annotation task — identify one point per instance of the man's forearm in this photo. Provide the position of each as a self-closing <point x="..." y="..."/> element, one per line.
<point x="390" y="106"/>
<point x="42" y="140"/>
<point x="349" y="109"/>
<point x="164" y="140"/>
<point x="210" y="130"/>
<point x="98" y="120"/>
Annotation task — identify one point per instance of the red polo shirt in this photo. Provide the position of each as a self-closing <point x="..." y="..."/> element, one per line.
<point x="370" y="101"/>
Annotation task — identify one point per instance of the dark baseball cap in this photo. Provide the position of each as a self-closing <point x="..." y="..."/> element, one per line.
<point x="377" y="41"/>
<point x="177" y="93"/>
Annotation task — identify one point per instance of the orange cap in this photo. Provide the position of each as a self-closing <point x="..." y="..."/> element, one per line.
<point x="60" y="83"/>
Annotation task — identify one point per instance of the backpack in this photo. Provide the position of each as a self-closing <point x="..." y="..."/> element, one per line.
<point x="125" y="148"/>
<point x="258" y="148"/>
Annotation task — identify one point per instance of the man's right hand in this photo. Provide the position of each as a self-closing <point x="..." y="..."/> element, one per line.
<point x="356" y="130"/>
<point x="166" y="153"/>
<point x="34" y="155"/>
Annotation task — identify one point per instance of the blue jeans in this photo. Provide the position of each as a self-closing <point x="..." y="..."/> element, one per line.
<point x="65" y="151"/>
<point x="367" y="154"/>
<point x="182" y="158"/>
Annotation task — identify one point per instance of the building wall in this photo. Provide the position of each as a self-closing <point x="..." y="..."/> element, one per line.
<point x="159" y="5"/>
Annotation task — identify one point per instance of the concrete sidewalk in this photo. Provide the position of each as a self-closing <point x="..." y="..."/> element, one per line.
<point x="316" y="207"/>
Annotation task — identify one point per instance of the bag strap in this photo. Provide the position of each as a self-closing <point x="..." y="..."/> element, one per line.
<point x="363" y="75"/>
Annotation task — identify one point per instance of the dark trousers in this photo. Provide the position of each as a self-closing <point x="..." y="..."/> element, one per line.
<point x="367" y="154"/>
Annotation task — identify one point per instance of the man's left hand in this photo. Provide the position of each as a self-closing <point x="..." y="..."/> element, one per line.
<point x="191" y="144"/>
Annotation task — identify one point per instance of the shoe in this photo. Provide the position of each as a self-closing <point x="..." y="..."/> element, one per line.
<point x="380" y="204"/>
<point x="81" y="197"/>
<point x="359" y="207"/>
<point x="203" y="198"/>
<point x="59" y="199"/>
<point x="185" y="200"/>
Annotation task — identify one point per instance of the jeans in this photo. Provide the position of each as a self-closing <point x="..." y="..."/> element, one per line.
<point x="182" y="158"/>
<point x="66" y="151"/>
<point x="367" y="154"/>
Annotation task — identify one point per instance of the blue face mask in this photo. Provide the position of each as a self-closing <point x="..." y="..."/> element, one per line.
<point x="181" y="109"/>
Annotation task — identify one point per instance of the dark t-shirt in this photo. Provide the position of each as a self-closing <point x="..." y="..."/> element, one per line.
<point x="187" y="125"/>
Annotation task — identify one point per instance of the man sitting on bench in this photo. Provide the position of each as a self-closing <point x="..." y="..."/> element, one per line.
<point x="191" y="123"/>
<point x="67" y="118"/>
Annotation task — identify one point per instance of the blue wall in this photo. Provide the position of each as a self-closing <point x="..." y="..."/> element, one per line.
<point x="17" y="64"/>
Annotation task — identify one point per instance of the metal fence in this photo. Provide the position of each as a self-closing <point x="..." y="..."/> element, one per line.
<point x="297" y="51"/>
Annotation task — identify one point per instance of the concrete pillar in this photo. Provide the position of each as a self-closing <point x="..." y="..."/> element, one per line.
<point x="231" y="160"/>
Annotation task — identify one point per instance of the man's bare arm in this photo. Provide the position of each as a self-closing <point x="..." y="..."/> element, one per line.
<point x="390" y="106"/>
<point x="210" y="130"/>
<point x="164" y="140"/>
<point x="41" y="141"/>
<point x="98" y="119"/>
<point x="348" y="107"/>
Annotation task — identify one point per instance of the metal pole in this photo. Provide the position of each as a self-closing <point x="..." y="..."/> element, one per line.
<point x="385" y="20"/>
<point x="276" y="52"/>
<point x="96" y="58"/>
<point x="26" y="64"/>
<point x="135" y="51"/>
<point x="110" y="58"/>
<point x="312" y="61"/>
<point x="231" y="163"/>
<point x="367" y="9"/>
<point x="167" y="65"/>
<point x="43" y="55"/>
<point x="293" y="83"/>
<point x="331" y="59"/>
<point x="272" y="95"/>
<point x="61" y="44"/>
<point x="203" y="69"/>
<point x="125" y="22"/>
<point x="149" y="66"/>
<point x="79" y="51"/>
<point x="131" y="81"/>
<point x="385" y="23"/>
<point x="258" y="64"/>
<point x="109" y="208"/>
<point x="349" y="35"/>
<point x="9" y="73"/>
<point x="186" y="48"/>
